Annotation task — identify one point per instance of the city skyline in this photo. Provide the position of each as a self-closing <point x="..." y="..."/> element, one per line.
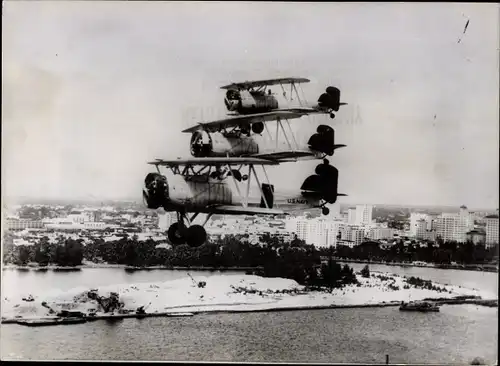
<point x="94" y="93"/>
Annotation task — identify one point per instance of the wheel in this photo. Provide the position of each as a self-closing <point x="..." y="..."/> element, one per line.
<point x="332" y="115"/>
<point x="196" y="236"/>
<point x="325" y="211"/>
<point x="174" y="234"/>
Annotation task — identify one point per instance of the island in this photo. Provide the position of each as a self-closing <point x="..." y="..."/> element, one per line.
<point x="227" y="293"/>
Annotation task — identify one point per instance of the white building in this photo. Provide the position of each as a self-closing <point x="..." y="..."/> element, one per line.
<point x="415" y="217"/>
<point x="320" y="232"/>
<point x="351" y="235"/>
<point x="364" y="214"/>
<point x="379" y="233"/>
<point x="351" y="216"/>
<point x="421" y="229"/>
<point x="491" y="229"/>
<point x="454" y="226"/>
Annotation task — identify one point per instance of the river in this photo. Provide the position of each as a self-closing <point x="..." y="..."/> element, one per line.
<point x="457" y="334"/>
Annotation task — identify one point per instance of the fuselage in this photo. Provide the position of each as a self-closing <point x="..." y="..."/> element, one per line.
<point x="218" y="144"/>
<point x="249" y="102"/>
<point x="199" y="193"/>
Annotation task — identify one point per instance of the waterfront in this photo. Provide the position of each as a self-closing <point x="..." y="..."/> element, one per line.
<point x="457" y="334"/>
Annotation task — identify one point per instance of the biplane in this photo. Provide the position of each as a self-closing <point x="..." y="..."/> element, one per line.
<point x="214" y="140"/>
<point x="251" y="97"/>
<point x="238" y="136"/>
<point x="202" y="185"/>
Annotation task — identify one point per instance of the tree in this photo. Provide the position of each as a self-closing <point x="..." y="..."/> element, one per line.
<point x="365" y="272"/>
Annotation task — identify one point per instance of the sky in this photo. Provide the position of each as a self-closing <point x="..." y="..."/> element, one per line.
<point x="91" y="91"/>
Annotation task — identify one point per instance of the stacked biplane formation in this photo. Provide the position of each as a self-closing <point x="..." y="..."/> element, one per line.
<point x="228" y="150"/>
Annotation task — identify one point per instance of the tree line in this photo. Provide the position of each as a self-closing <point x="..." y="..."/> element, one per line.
<point x="446" y="253"/>
<point x="273" y="257"/>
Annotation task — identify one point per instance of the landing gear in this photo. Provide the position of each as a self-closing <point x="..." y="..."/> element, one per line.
<point x="325" y="210"/>
<point x="194" y="235"/>
<point x="175" y="235"/>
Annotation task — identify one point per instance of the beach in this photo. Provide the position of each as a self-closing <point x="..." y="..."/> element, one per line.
<point x="225" y="293"/>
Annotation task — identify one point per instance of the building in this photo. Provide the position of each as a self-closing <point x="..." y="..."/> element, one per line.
<point x="351" y="235"/>
<point x="364" y="214"/>
<point x="421" y="229"/>
<point x="476" y="236"/>
<point x="415" y="217"/>
<point x="320" y="232"/>
<point x="379" y="233"/>
<point x="351" y="216"/>
<point x="491" y="230"/>
<point x="21" y="224"/>
<point x="454" y="227"/>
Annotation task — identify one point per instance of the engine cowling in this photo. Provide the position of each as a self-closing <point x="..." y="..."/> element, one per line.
<point x="155" y="192"/>
<point x="201" y="144"/>
<point x="323" y="184"/>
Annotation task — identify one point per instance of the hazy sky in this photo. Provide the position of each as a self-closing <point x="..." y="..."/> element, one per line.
<point x="93" y="90"/>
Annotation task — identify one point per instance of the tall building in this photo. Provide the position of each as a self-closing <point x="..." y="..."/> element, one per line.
<point x="351" y="216"/>
<point x="414" y="218"/>
<point x="454" y="226"/>
<point x="363" y="214"/>
<point x="320" y="232"/>
<point x="491" y="230"/>
<point x="421" y="229"/>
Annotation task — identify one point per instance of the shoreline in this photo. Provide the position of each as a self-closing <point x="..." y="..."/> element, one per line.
<point x="476" y="268"/>
<point x="125" y="267"/>
<point x="220" y="293"/>
<point x="471" y="267"/>
<point x="115" y="317"/>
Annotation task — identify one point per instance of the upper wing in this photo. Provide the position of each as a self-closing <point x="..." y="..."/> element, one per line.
<point x="213" y="161"/>
<point x="257" y="83"/>
<point x="240" y="210"/>
<point x="286" y="156"/>
<point x="214" y="126"/>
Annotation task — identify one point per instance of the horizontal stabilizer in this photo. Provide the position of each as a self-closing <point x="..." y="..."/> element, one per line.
<point x="338" y="146"/>
<point x="283" y="156"/>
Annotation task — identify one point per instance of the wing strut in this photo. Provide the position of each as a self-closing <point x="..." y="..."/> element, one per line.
<point x="293" y="136"/>
<point x="248" y="185"/>
<point x="284" y="133"/>
<point x="236" y="184"/>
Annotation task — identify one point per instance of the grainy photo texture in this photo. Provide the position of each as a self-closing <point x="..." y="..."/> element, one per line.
<point x="250" y="182"/>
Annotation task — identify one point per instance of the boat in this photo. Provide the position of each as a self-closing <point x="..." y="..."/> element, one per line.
<point x="180" y="314"/>
<point x="54" y="321"/>
<point x="422" y="306"/>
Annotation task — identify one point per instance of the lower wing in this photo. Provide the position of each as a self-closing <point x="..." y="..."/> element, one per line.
<point x="240" y="210"/>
